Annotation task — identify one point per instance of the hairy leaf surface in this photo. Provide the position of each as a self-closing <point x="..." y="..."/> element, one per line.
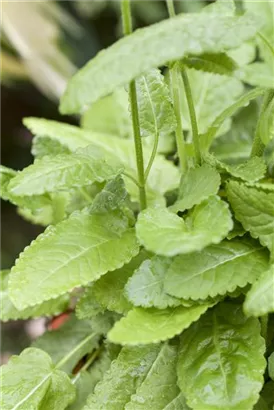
<point x="221" y="360"/>
<point x="143" y="326"/>
<point x="164" y="233"/>
<point x="74" y="252"/>
<point x="217" y="63"/>
<point x="110" y="198"/>
<point x="216" y="270"/>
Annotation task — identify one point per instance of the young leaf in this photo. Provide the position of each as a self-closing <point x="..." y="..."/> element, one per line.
<point x="217" y="63"/>
<point x="9" y="311"/>
<point x="196" y="185"/>
<point x="221" y="360"/>
<point x="254" y="209"/>
<point x="146" y="287"/>
<point x="216" y="270"/>
<point x="133" y="55"/>
<point x="155" y="109"/>
<point x="87" y="306"/>
<point x="74" y="252"/>
<point x="252" y="170"/>
<point x="110" y="198"/>
<point x="257" y="74"/>
<point x="44" y="146"/>
<point x="164" y="233"/>
<point x="29" y="379"/>
<point x="6" y="175"/>
<point x="144" y="326"/>
<point x="260" y="300"/>
<point x="58" y="343"/>
<point x="64" y="171"/>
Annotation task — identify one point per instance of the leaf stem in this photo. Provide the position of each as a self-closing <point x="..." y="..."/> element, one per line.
<point x="73" y="351"/>
<point x="153" y="155"/>
<point x="258" y="145"/>
<point x="126" y="174"/>
<point x="127" y="27"/>
<point x="170" y="8"/>
<point x="192" y="114"/>
<point x="267" y="43"/>
<point x="90" y="360"/>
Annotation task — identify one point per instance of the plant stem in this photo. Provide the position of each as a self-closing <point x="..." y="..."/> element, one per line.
<point x="192" y="114"/>
<point x="90" y="360"/>
<point x="267" y="43"/>
<point x="258" y="146"/>
<point x="170" y="8"/>
<point x="264" y="324"/>
<point x="153" y="155"/>
<point x="126" y="174"/>
<point x="73" y="351"/>
<point x="127" y="27"/>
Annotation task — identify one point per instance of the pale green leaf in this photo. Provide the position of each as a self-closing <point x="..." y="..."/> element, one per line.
<point x="196" y="185"/>
<point x="103" y="322"/>
<point x="74" y="252"/>
<point x="244" y="54"/>
<point x="219" y="63"/>
<point x="164" y="176"/>
<point x="63" y="171"/>
<point x="110" y="198"/>
<point x="221" y="360"/>
<point x="146" y="287"/>
<point x="216" y="270"/>
<point x="83" y="382"/>
<point x="159" y="388"/>
<point x="143" y="326"/>
<point x="162" y="232"/>
<point x="271" y="366"/>
<point x="58" y="343"/>
<point x="257" y="74"/>
<point x="6" y="175"/>
<point x="134" y="55"/>
<point x="212" y="94"/>
<point x="267" y="123"/>
<point x="8" y="311"/>
<point x="155" y="109"/>
<point x="260" y="299"/>
<point x="125" y="375"/>
<point x="29" y="379"/>
<point x="44" y="146"/>
<point x="220" y="7"/>
<point x="87" y="306"/>
<point x="179" y="403"/>
<point x="254" y="209"/>
<point x="251" y="170"/>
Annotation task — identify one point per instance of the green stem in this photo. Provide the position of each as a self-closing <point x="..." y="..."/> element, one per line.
<point x="192" y="114"/>
<point x="267" y="43"/>
<point x="127" y="27"/>
<point x="258" y="146"/>
<point x="264" y="324"/>
<point x="66" y="358"/>
<point x="170" y="8"/>
<point x="126" y="174"/>
<point x="90" y="360"/>
<point x="153" y="155"/>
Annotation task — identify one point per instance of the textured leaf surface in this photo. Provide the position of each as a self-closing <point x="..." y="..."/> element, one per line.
<point x="27" y="379"/>
<point x="44" y="146"/>
<point x="212" y="94"/>
<point x="9" y="311"/>
<point x="219" y="63"/>
<point x="133" y="55"/>
<point x="58" y="343"/>
<point x="164" y="233"/>
<point x="143" y="326"/>
<point x="216" y="270"/>
<point x="179" y="403"/>
<point x="76" y="251"/>
<point x="61" y="172"/>
<point x="251" y="171"/>
<point x="6" y="174"/>
<point x="196" y="185"/>
<point x="254" y="209"/>
<point x="110" y="198"/>
<point x="156" y="113"/>
<point x="260" y="299"/>
<point x="146" y="287"/>
<point x="257" y="74"/>
<point x="221" y="360"/>
<point x="87" y="306"/>
<point x="83" y="383"/>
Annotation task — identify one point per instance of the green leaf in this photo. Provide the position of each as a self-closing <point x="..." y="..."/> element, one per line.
<point x="45" y="146"/>
<point x="257" y="74"/>
<point x="220" y="7"/>
<point x="110" y="198"/>
<point x="61" y="172"/>
<point x="212" y="94"/>
<point x="244" y="54"/>
<point x="146" y="287"/>
<point x="254" y="209"/>
<point x="221" y="360"/>
<point x="164" y="233"/>
<point x="6" y="175"/>
<point x="196" y="185"/>
<point x="87" y="306"/>
<point x="29" y="379"/>
<point x="216" y="270"/>
<point x="271" y="366"/>
<point x="215" y="63"/>
<point x="164" y="176"/>
<point x="259" y="300"/>
<point x="74" y="252"/>
<point x="155" y="109"/>
<point x="267" y="123"/>
<point x="251" y="170"/>
<point x="179" y="403"/>
<point x="150" y="47"/>
<point x="83" y="382"/>
<point x="143" y="326"/>
<point x="58" y="343"/>
<point x="9" y="311"/>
